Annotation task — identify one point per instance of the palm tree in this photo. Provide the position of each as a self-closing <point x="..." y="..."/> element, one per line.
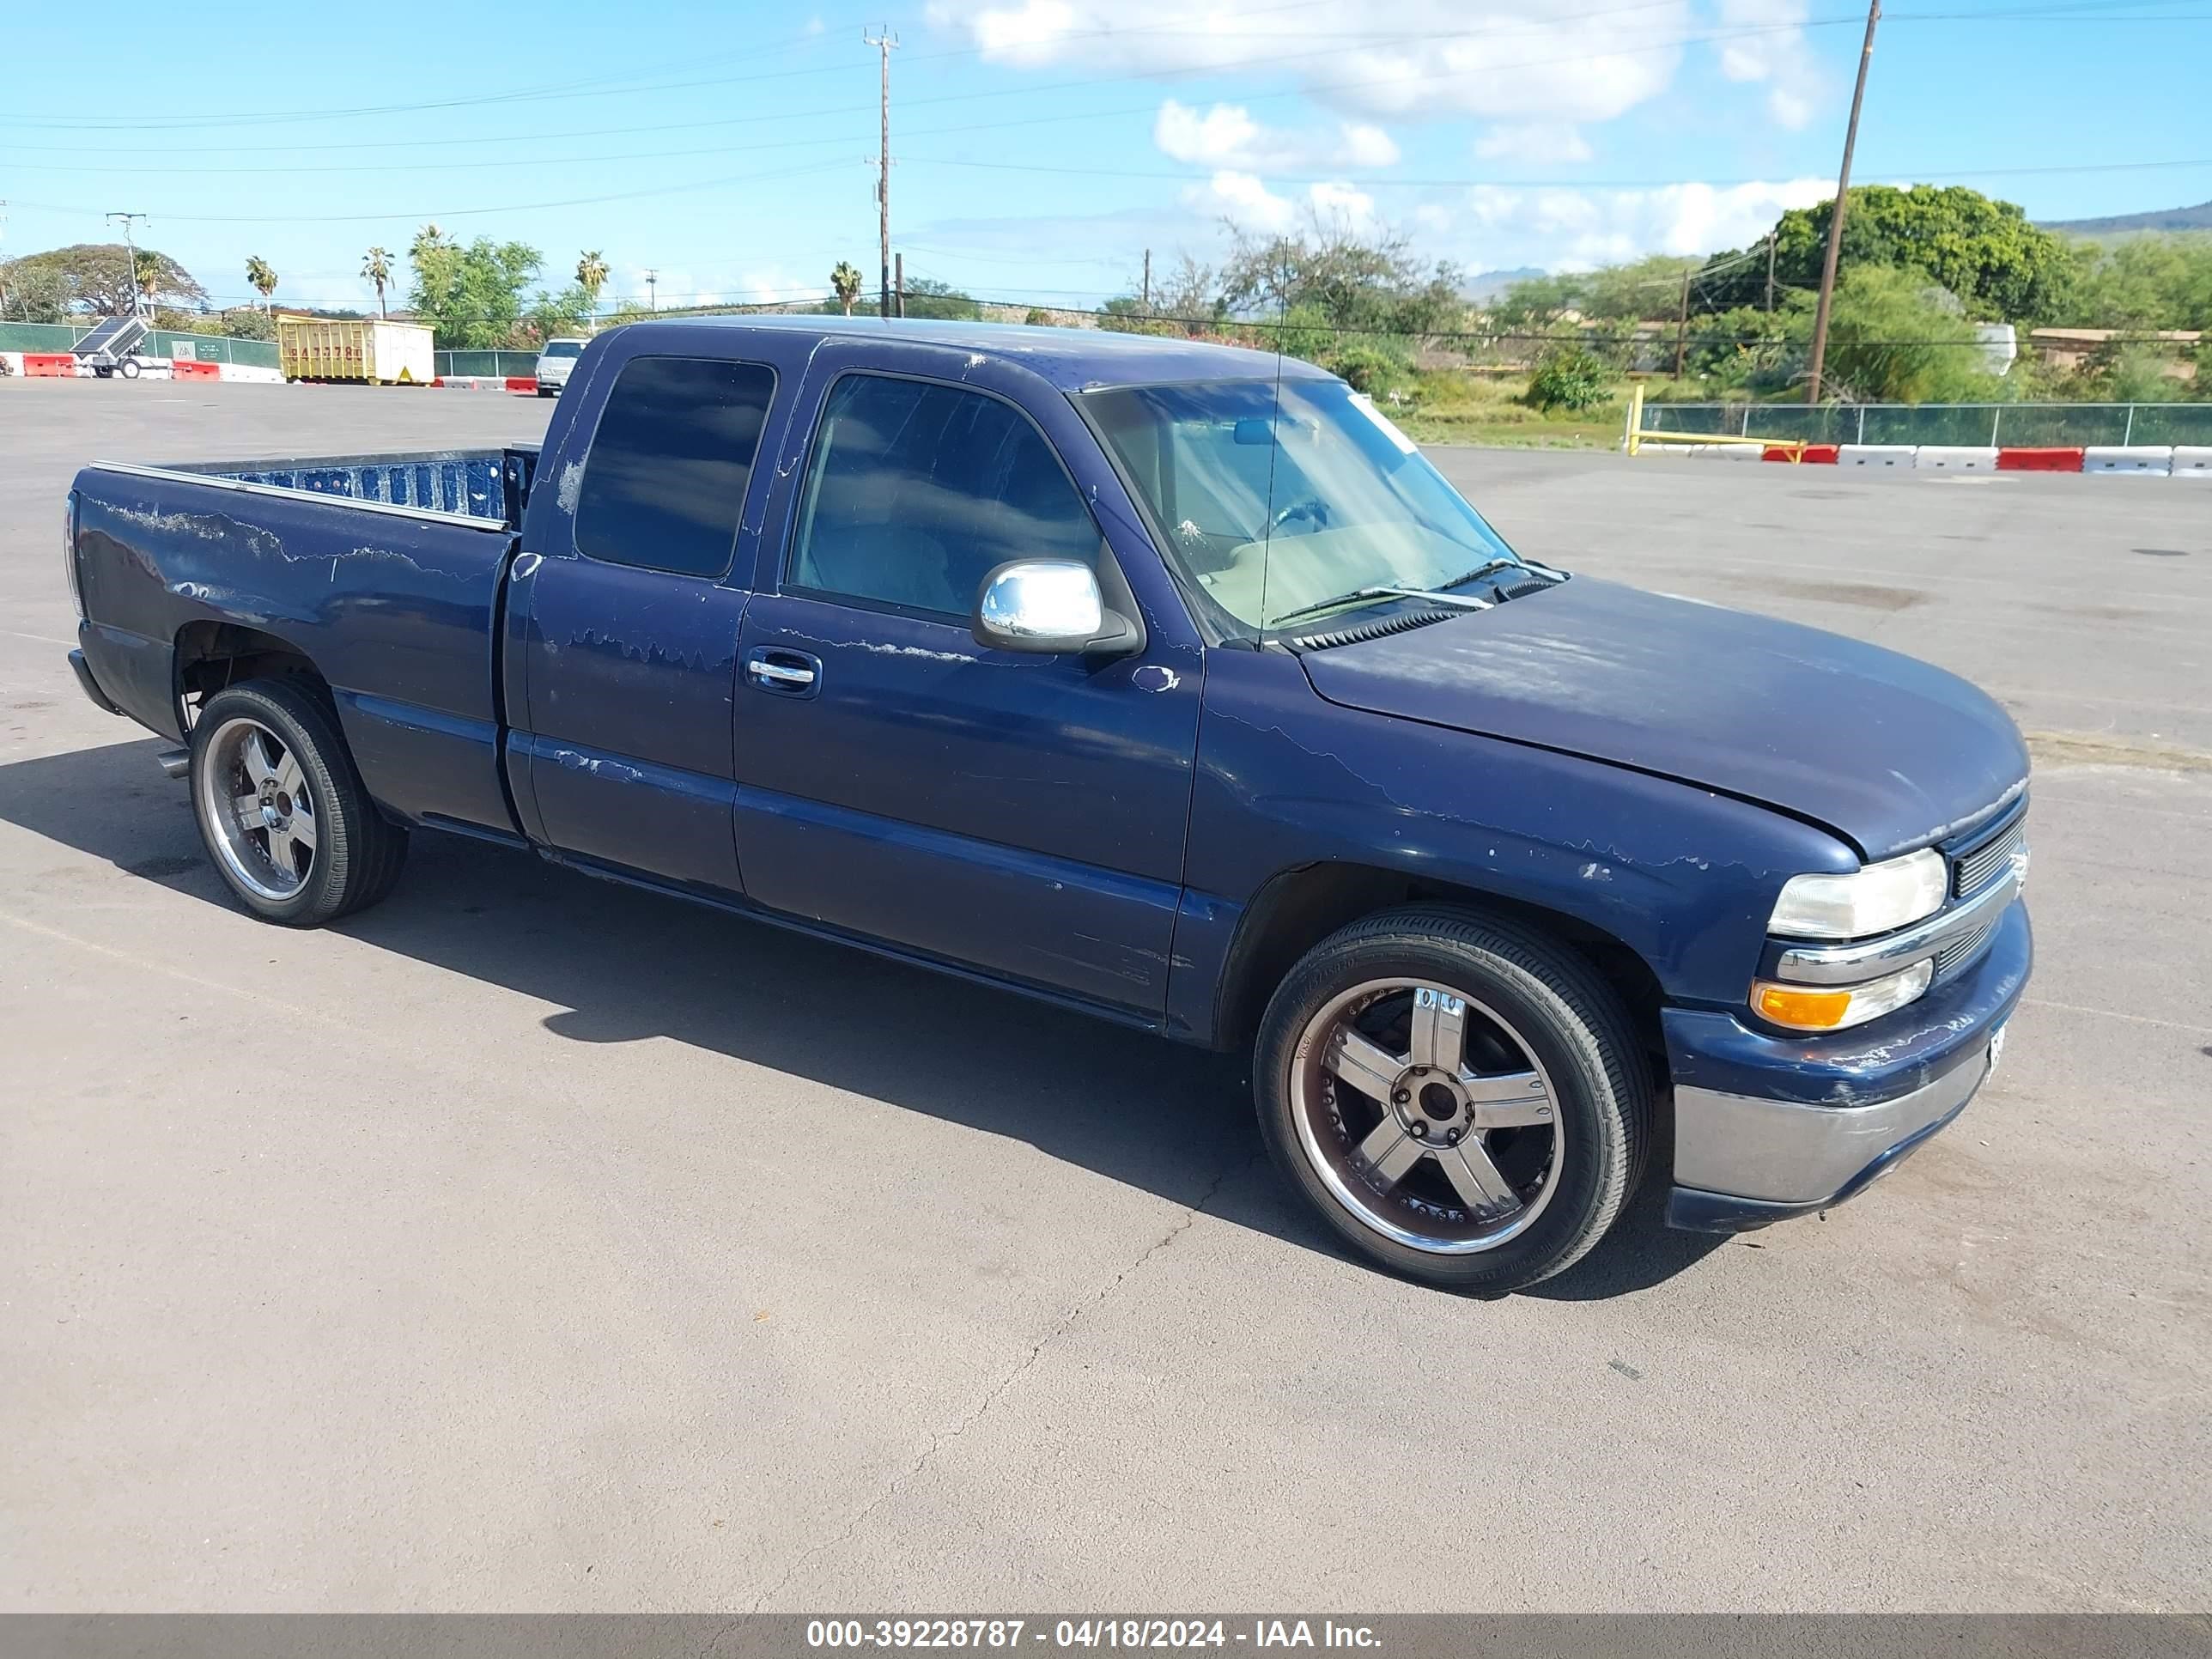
<point x="845" y="280"/>
<point x="263" y="276"/>
<point x="591" y="276"/>
<point x="376" y="265"/>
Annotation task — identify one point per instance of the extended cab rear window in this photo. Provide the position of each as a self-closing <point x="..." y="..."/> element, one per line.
<point x="664" y="480"/>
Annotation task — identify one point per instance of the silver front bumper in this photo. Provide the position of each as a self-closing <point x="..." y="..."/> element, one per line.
<point x="1782" y="1153"/>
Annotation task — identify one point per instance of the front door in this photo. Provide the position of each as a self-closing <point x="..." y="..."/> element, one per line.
<point x="1020" y="814"/>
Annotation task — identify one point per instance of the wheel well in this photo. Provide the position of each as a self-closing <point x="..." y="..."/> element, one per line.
<point x="1299" y="909"/>
<point x="212" y="655"/>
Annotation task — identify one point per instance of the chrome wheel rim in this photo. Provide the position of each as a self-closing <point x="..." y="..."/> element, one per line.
<point x="254" y="797"/>
<point x="1427" y="1115"/>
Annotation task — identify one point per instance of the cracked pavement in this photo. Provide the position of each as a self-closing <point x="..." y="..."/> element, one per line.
<point x="530" y="1243"/>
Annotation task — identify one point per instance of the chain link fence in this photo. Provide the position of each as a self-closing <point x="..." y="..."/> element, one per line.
<point x="2024" y="425"/>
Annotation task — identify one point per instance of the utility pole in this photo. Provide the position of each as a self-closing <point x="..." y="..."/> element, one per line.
<point x="1148" y="281"/>
<point x="1836" y="218"/>
<point x="1770" y="271"/>
<point x="652" y="289"/>
<point x="131" y="248"/>
<point x="898" y="283"/>
<point x="1681" y="326"/>
<point x="886" y="44"/>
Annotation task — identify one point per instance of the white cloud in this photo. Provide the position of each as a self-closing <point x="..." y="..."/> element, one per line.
<point x="1226" y="136"/>
<point x="1246" y="202"/>
<point x="1561" y="228"/>
<point x="1537" y="142"/>
<point x="1556" y="60"/>
<point x="1778" y="58"/>
<point x="1341" y="203"/>
<point x="1368" y="146"/>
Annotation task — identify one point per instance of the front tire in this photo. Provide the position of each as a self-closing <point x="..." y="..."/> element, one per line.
<point x="1464" y="1102"/>
<point x="282" y="812"/>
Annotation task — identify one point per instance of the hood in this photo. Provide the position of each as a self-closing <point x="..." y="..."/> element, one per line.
<point x="1884" y="750"/>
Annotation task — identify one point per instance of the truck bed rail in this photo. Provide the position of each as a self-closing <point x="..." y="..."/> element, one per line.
<point x="486" y="485"/>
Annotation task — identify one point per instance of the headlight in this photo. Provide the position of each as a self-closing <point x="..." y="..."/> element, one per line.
<point x="1871" y="901"/>
<point x="1824" y="1008"/>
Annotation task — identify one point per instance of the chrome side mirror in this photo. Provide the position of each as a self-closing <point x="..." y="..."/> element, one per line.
<point x="1048" y="606"/>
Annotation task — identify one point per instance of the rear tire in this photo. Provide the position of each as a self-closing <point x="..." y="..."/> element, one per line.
<point x="1464" y="1102"/>
<point x="282" y="809"/>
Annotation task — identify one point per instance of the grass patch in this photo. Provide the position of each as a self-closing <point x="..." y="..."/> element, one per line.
<point x="1450" y="406"/>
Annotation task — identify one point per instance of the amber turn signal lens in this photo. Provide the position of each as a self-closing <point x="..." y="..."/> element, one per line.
<point x="1810" y="1008"/>
<point x="1806" y="1011"/>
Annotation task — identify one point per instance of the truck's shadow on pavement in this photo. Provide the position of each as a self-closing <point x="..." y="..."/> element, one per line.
<point x="625" y="964"/>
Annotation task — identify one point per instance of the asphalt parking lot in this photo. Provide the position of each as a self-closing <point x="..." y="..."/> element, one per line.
<point x="532" y="1243"/>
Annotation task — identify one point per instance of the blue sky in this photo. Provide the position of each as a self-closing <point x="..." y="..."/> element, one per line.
<point x="1043" y="144"/>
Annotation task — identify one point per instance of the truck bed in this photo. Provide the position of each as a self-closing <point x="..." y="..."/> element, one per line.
<point x="475" y="483"/>
<point x="386" y="572"/>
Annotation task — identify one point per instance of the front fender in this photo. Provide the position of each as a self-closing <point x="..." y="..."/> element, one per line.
<point x="1684" y="876"/>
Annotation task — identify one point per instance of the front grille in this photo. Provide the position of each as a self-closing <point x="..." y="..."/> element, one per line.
<point x="1960" y="952"/>
<point x="1976" y="869"/>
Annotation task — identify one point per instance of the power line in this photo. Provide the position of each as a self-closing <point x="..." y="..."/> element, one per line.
<point x="419" y="214"/>
<point x="1536" y="184"/>
<point x="1265" y="60"/>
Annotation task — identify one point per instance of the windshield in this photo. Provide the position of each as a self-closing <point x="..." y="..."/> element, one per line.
<point x="1272" y="508"/>
<point x="563" y="349"/>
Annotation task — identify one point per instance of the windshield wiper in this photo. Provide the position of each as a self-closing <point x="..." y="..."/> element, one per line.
<point x="1453" y="600"/>
<point x="1488" y="567"/>
<point x="1505" y="590"/>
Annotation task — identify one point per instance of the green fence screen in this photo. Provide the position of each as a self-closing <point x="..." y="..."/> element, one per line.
<point x="512" y="365"/>
<point x="2026" y="425"/>
<point x="37" y="336"/>
<point x="161" y="342"/>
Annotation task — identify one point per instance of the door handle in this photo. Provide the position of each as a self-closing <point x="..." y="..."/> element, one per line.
<point x="789" y="673"/>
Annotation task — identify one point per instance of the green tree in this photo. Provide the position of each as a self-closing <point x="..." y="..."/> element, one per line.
<point x="97" y="278"/>
<point x="1368" y="281"/>
<point x="244" y="322"/>
<point x="472" y="293"/>
<point x="591" y="276"/>
<point x="2146" y="282"/>
<point x="1894" y="337"/>
<point x="263" y="276"/>
<point x="2132" y="371"/>
<point x="1649" y="289"/>
<point x="845" y="283"/>
<point x="1183" y="301"/>
<point x="568" y="313"/>
<point x="1571" y="378"/>
<point x="927" y="297"/>
<point x="376" y="266"/>
<point x="1377" y="364"/>
<point x="1982" y="250"/>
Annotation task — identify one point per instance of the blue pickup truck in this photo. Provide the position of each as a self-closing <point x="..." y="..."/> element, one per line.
<point x="1155" y="678"/>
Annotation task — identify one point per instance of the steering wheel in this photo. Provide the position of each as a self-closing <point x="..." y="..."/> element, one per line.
<point x="1312" y="507"/>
